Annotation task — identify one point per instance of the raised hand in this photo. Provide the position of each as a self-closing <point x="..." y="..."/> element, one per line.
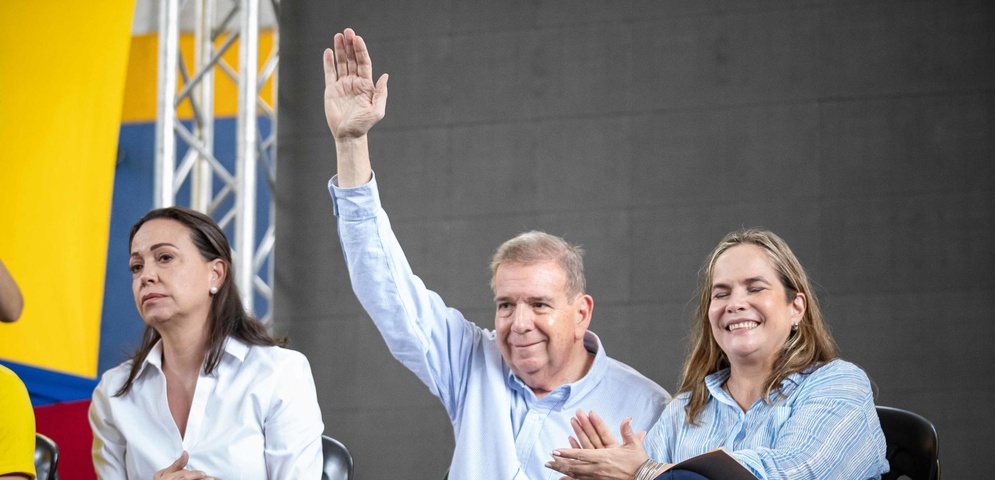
<point x="353" y="103"/>
<point x="610" y="461"/>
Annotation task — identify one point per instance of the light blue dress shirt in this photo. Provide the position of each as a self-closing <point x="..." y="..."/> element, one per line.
<point x="502" y="430"/>
<point x="825" y="427"/>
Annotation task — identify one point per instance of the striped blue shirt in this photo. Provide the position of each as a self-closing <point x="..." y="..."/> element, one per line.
<point x="826" y="427"/>
<point x="503" y="431"/>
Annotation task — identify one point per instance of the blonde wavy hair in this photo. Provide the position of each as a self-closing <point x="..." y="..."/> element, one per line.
<point x="806" y="349"/>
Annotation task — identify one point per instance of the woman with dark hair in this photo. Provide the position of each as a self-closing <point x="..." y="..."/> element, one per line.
<point x="209" y="393"/>
<point x="762" y="380"/>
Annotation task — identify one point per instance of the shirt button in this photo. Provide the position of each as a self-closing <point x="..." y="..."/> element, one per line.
<point x="535" y="417"/>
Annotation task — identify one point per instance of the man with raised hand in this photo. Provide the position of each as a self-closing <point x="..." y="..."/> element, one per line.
<point x="511" y="392"/>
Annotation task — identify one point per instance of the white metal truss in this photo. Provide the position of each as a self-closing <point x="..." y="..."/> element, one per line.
<point x="228" y="197"/>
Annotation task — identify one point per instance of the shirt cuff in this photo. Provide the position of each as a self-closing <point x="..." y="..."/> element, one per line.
<point x="355" y="203"/>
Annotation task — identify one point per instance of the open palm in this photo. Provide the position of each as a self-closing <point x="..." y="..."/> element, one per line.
<point x="353" y="103"/>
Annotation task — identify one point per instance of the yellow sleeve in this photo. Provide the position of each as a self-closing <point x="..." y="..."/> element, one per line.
<point x="17" y="426"/>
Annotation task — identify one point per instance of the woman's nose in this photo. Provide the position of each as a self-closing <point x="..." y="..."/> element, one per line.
<point x="737" y="302"/>
<point x="148" y="274"/>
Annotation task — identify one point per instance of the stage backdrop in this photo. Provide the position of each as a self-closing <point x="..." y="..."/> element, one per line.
<point x="861" y="131"/>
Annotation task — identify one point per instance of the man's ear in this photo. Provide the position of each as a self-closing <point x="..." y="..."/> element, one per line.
<point x="584" y="306"/>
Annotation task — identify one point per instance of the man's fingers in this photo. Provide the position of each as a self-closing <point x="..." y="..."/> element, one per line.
<point x="380" y="95"/>
<point x="351" y="58"/>
<point x="350" y="51"/>
<point x="339" y="60"/>
<point x="329" y="61"/>
<point x="364" y="66"/>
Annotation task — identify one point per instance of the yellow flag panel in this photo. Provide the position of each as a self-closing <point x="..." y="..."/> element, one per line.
<point x="62" y="74"/>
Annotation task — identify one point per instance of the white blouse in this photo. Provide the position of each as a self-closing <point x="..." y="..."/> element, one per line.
<point x="255" y="417"/>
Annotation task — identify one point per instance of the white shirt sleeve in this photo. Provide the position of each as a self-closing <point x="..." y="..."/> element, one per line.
<point x="109" y="445"/>
<point x="293" y="438"/>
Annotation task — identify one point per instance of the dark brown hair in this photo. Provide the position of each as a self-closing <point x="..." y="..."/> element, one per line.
<point x="227" y="317"/>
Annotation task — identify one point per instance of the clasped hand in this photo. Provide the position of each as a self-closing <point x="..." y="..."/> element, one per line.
<point x="596" y="454"/>
<point x="176" y="471"/>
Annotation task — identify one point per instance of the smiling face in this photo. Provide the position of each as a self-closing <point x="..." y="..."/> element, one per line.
<point x="540" y="329"/>
<point x="171" y="280"/>
<point x="749" y="312"/>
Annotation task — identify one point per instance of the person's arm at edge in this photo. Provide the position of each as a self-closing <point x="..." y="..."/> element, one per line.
<point x="11" y="301"/>
<point x="17" y="428"/>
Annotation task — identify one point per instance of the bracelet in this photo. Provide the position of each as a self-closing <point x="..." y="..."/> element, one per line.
<point x="647" y="469"/>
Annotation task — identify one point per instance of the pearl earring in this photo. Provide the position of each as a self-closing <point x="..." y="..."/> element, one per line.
<point x="794" y="328"/>
<point x="214" y="291"/>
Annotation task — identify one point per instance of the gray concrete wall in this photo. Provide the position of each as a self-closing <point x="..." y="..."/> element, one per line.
<point x="861" y="131"/>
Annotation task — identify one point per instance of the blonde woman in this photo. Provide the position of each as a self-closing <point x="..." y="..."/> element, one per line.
<point x="762" y="380"/>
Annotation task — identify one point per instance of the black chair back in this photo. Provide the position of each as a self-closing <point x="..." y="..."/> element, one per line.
<point x="338" y="460"/>
<point x="46" y="458"/>
<point x="913" y="450"/>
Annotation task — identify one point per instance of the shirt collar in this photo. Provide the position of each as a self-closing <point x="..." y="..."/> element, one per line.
<point x="233" y="347"/>
<point x="154" y="358"/>
<point x="715" y="380"/>
<point x="236" y="348"/>
<point x="714" y="383"/>
<point x="571" y="394"/>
